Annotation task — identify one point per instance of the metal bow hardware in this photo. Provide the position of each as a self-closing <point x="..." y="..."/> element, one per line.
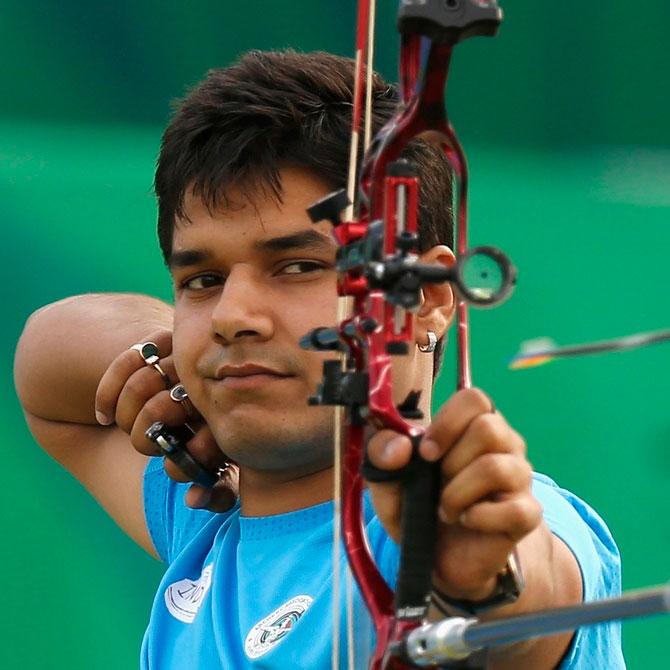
<point x="380" y="273"/>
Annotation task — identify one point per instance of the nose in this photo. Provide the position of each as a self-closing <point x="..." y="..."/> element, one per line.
<point x="242" y="310"/>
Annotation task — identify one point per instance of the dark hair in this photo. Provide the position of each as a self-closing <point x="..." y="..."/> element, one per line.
<point x="269" y="110"/>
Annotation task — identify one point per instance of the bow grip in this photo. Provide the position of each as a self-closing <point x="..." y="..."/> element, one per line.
<point x="449" y="20"/>
<point x="420" y="481"/>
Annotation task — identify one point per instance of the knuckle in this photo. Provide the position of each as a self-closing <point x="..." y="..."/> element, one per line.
<point x="162" y="408"/>
<point x="517" y="442"/>
<point x="162" y="337"/>
<point x="159" y="408"/>
<point x="380" y="438"/>
<point x="140" y="441"/>
<point x="526" y="511"/>
<point x="490" y="430"/>
<point x="137" y="386"/>
<point x="493" y="467"/>
<point x="151" y="413"/>
<point x="525" y="473"/>
<point x="518" y="509"/>
<point x="449" y="467"/>
<point x="479" y="399"/>
<point x="449" y="499"/>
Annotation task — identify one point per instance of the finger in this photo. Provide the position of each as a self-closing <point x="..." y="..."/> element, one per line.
<point x="220" y="498"/>
<point x="388" y="450"/>
<point x="487" y="433"/>
<point x="162" y="408"/>
<point x="206" y="453"/>
<point x="515" y="517"/>
<point x="120" y="369"/>
<point x="387" y="502"/>
<point x="472" y="577"/>
<point x="179" y="394"/>
<point x="140" y="387"/>
<point x="449" y="424"/>
<point x="489" y="475"/>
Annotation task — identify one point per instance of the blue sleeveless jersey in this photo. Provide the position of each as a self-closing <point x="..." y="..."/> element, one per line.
<point x="249" y="593"/>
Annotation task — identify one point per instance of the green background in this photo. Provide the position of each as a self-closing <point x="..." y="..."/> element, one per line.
<point x="564" y="119"/>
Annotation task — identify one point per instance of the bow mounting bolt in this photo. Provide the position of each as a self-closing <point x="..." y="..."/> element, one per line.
<point x="407" y="242"/>
<point x="397" y="348"/>
<point x="339" y="387"/>
<point x="369" y="325"/>
<point x="401" y="168"/>
<point x="409" y="408"/>
<point x="323" y="339"/>
<point x="329" y="207"/>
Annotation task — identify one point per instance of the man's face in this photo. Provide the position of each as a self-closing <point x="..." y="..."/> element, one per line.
<point x="250" y="281"/>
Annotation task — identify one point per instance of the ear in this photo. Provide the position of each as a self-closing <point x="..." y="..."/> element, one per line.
<point x="439" y="302"/>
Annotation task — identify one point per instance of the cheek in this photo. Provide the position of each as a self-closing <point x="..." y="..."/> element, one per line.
<point x="185" y="344"/>
<point x="309" y="310"/>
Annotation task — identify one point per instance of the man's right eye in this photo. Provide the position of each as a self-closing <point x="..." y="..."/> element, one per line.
<point x="201" y="282"/>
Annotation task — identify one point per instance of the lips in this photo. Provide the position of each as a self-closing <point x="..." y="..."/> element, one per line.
<point x="246" y="370"/>
<point x="248" y="376"/>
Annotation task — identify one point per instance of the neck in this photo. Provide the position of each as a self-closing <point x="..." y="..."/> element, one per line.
<point x="264" y="494"/>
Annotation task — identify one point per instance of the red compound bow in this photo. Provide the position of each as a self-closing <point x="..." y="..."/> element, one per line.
<point x="380" y="273"/>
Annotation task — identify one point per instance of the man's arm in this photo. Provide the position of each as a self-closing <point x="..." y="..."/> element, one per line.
<point x="486" y="510"/>
<point x="62" y="354"/>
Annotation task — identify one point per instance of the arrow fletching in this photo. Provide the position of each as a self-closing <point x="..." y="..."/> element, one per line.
<point x="543" y="350"/>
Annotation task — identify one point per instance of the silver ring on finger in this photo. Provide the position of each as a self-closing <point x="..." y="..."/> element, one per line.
<point x="178" y="394"/>
<point x="149" y="354"/>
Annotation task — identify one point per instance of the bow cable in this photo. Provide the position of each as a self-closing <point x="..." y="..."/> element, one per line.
<point x="363" y="75"/>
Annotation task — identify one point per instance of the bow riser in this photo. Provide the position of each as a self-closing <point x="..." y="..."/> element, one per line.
<point x="379" y="272"/>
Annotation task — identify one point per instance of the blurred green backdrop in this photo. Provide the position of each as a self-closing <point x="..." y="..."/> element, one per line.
<point x="564" y="118"/>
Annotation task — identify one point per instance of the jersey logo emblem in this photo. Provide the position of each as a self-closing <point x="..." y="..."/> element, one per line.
<point x="275" y="627"/>
<point x="183" y="598"/>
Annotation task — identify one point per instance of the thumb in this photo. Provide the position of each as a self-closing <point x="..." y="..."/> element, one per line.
<point x="220" y="498"/>
<point x="388" y="450"/>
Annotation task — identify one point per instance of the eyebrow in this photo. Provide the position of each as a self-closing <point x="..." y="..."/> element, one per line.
<point x="305" y="239"/>
<point x="187" y="258"/>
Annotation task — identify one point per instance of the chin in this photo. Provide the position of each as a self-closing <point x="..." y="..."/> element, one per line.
<point x="257" y="441"/>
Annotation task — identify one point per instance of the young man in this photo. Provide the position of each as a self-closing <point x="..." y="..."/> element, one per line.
<point x="249" y="583"/>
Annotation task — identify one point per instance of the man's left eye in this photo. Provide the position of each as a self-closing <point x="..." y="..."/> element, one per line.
<point x="301" y="267"/>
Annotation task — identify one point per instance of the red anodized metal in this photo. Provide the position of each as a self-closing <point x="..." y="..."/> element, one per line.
<point x="421" y="112"/>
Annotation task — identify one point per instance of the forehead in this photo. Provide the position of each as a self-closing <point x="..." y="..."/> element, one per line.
<point x="261" y="220"/>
